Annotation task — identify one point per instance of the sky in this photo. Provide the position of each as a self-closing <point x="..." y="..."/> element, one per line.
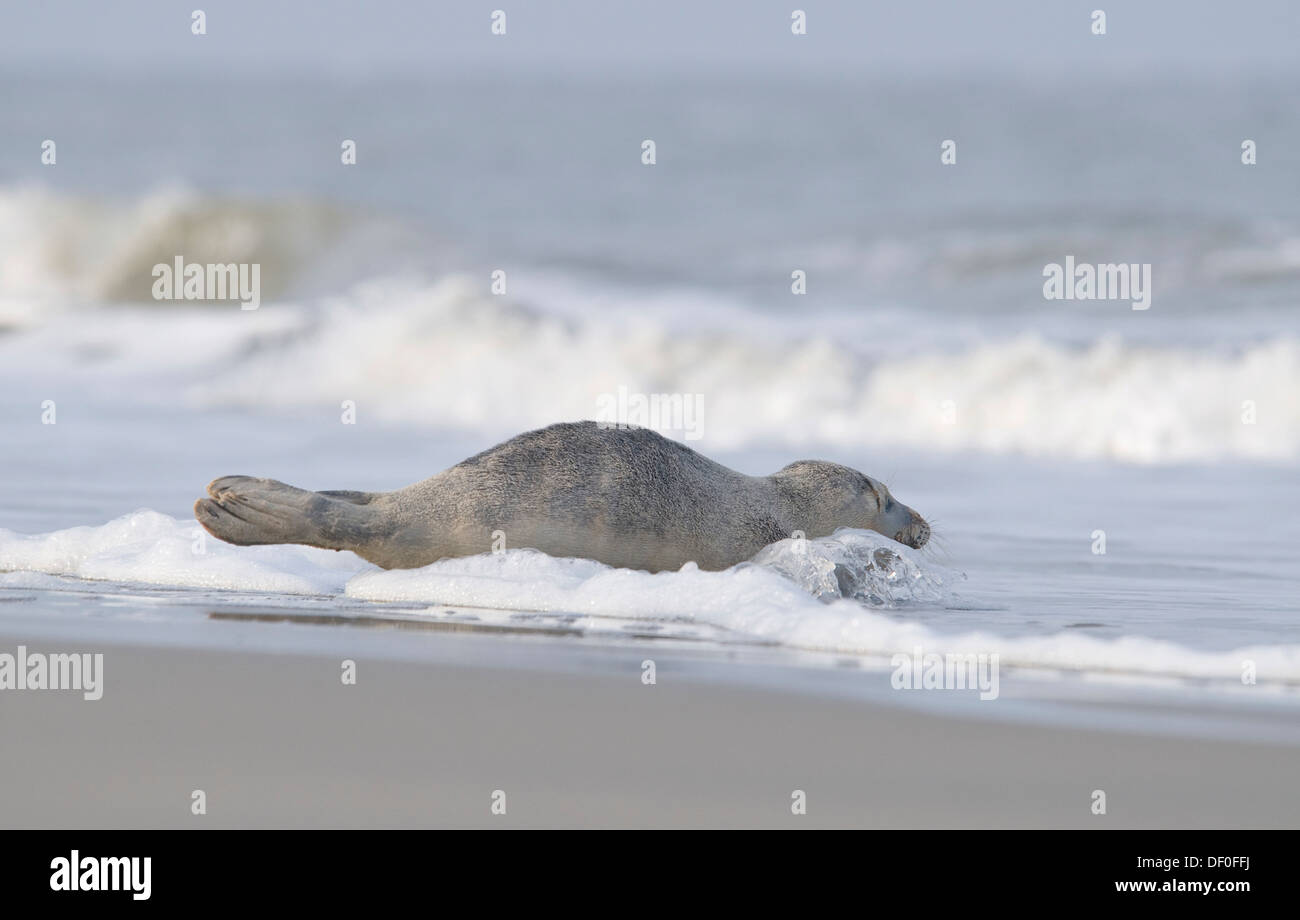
<point x="361" y="38"/>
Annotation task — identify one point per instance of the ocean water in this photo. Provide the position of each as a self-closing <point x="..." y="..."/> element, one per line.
<point x="1029" y="431"/>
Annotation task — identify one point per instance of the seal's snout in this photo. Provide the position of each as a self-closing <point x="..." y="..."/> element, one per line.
<point x="916" y="534"/>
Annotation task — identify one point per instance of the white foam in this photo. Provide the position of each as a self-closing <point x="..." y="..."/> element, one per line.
<point x="146" y="547"/>
<point x="405" y="353"/>
<point x="773" y="599"/>
<point x="757" y="602"/>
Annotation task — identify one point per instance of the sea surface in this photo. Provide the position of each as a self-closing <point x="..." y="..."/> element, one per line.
<point x="1113" y="491"/>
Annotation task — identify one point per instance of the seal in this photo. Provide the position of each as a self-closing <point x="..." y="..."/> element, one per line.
<point x="623" y="496"/>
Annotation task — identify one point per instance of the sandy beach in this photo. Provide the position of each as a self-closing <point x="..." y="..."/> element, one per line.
<point x="277" y="740"/>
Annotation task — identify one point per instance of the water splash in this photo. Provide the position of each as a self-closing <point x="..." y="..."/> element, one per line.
<point x="860" y="565"/>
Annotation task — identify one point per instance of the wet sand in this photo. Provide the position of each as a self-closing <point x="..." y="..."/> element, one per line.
<point x="277" y="740"/>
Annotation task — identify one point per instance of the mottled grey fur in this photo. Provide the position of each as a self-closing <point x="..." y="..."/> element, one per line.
<point x="623" y="496"/>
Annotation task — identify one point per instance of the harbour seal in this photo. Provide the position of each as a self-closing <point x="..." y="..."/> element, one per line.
<point x="623" y="496"/>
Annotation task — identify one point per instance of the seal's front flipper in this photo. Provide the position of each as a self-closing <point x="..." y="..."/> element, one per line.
<point x="248" y="511"/>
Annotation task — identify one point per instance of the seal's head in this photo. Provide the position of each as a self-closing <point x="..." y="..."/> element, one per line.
<point x="827" y="496"/>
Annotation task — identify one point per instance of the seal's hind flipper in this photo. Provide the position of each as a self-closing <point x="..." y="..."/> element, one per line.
<point x="248" y="511"/>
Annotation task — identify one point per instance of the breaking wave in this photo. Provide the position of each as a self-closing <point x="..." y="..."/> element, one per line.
<point x="448" y="354"/>
<point x="412" y="345"/>
<point x="58" y="251"/>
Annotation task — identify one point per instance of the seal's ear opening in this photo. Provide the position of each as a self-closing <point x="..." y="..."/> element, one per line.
<point x="879" y="492"/>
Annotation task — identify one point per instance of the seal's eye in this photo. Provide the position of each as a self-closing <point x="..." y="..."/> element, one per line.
<point x="889" y="504"/>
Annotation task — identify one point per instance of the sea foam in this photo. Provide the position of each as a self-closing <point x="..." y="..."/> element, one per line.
<point x="406" y="350"/>
<point x="850" y="593"/>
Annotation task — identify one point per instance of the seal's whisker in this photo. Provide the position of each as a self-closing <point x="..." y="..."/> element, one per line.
<point x="938" y="551"/>
<point x="938" y="541"/>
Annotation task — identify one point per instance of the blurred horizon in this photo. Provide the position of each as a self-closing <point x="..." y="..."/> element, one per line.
<point x="394" y="38"/>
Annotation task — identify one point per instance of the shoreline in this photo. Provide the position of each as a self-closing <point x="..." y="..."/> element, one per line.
<point x="278" y="740"/>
